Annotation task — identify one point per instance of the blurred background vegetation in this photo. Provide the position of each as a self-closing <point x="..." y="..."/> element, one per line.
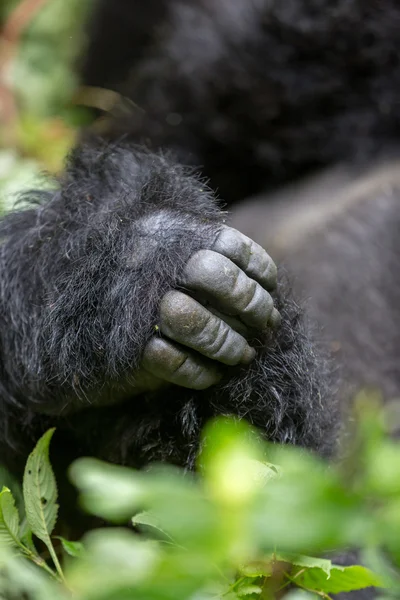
<point x="40" y="43"/>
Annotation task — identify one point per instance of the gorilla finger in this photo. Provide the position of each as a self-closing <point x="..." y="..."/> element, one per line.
<point x="188" y="322"/>
<point x="233" y="322"/>
<point x="170" y="363"/>
<point x="275" y="319"/>
<point x="225" y="284"/>
<point x="247" y="255"/>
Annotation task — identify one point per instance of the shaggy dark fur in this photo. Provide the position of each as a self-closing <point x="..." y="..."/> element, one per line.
<point x="82" y="281"/>
<point x="254" y="93"/>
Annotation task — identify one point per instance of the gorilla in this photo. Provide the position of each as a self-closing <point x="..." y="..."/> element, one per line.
<point x="134" y="307"/>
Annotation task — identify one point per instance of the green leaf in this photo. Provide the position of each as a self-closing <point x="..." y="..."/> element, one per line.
<point x="264" y="568"/>
<point x="257" y="568"/>
<point x="9" y="519"/>
<point x="246" y="590"/>
<point x="300" y="560"/>
<point x="40" y="495"/>
<point x="27" y="581"/>
<point x="316" y="573"/>
<point x="230" y="460"/>
<point x="75" y="549"/>
<point x="264" y="471"/>
<point x="380" y="562"/>
<point x="40" y="490"/>
<point x="115" y="559"/>
<point x="108" y="491"/>
<point x="149" y="520"/>
<point x="25" y="534"/>
<point x="340" y="579"/>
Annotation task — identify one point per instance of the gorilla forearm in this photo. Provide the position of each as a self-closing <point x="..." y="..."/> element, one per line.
<point x="90" y="271"/>
<point x="83" y="273"/>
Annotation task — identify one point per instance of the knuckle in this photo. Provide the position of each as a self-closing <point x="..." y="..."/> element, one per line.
<point x="270" y="274"/>
<point x="244" y="290"/>
<point x="181" y="315"/>
<point x="166" y="361"/>
<point x="234" y="244"/>
<point x="201" y="258"/>
<point x="226" y="345"/>
<point x="178" y="365"/>
<point x="204" y="378"/>
<point x="216" y="336"/>
<point x="195" y="374"/>
<point x="206" y="264"/>
<point x="161" y="355"/>
<point x="173" y="303"/>
<point x="259" y="307"/>
<point x="231" y="348"/>
<point x="155" y="353"/>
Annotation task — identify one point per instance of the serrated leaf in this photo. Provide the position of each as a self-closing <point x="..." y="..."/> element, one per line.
<point x="149" y="520"/>
<point x="40" y="490"/>
<point x="300" y="560"/>
<point x="340" y="579"/>
<point x="25" y="534"/>
<point x="75" y="549"/>
<point x="9" y="519"/>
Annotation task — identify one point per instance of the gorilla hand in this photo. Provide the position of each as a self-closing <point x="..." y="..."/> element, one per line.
<point x="226" y="297"/>
<point x="81" y="307"/>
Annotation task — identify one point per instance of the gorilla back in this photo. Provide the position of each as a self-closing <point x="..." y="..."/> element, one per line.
<point x="337" y="235"/>
<point x="130" y="313"/>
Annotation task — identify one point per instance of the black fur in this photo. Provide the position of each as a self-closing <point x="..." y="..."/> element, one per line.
<point x="82" y="277"/>
<point x="263" y="91"/>
<point x="255" y="93"/>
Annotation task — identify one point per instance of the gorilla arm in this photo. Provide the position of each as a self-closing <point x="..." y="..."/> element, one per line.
<point x="87" y="276"/>
<point x="131" y="244"/>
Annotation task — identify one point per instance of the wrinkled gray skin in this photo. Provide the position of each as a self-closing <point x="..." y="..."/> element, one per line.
<point x="226" y="297"/>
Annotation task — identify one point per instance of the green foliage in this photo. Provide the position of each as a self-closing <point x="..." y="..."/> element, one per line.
<point x="9" y="519"/>
<point x="40" y="490"/>
<point x="42" y="76"/>
<point x="6" y="7"/>
<point x="16" y="174"/>
<point x="40" y="494"/>
<point x="37" y="68"/>
<point x="242" y="528"/>
<point x="338" y="579"/>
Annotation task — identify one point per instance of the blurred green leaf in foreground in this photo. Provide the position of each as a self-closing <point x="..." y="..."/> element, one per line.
<point x="256" y="521"/>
